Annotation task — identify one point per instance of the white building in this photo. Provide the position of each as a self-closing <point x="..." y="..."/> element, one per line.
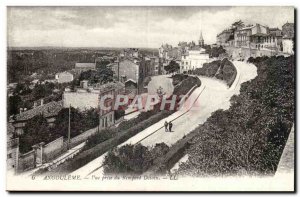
<point x="64" y="77"/>
<point x="287" y="45"/>
<point x="194" y="59"/>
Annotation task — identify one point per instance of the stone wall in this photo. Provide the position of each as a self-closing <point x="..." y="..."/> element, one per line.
<point x="82" y="137"/>
<point x="243" y="53"/>
<point x="26" y="161"/>
<point x="51" y="150"/>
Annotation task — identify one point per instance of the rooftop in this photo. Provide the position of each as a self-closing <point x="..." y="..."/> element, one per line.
<point x="108" y="86"/>
<point x="47" y="110"/>
<point x="85" y="65"/>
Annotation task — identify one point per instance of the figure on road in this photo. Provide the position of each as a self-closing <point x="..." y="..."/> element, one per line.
<point x="166" y="126"/>
<point x="170" y="126"/>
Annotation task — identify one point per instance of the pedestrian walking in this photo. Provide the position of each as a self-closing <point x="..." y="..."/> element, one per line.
<point x="170" y="126"/>
<point x="166" y="126"/>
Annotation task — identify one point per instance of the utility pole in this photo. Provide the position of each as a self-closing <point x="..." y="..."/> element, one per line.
<point x="99" y="115"/>
<point x="69" y="128"/>
<point x="118" y="69"/>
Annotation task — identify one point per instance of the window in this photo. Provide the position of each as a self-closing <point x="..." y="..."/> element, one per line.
<point x="9" y="156"/>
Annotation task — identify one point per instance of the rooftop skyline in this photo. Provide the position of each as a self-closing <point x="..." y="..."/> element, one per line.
<point x="141" y="27"/>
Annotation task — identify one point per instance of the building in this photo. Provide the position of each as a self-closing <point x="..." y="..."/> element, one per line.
<point x="163" y="51"/>
<point x="126" y="69"/>
<point x="201" y="40"/>
<point x="288" y="30"/>
<point x="81" y="67"/>
<point x="259" y="37"/>
<point x="194" y="59"/>
<point x="64" y="77"/>
<point x="147" y="67"/>
<point x="12" y="154"/>
<point x="83" y="98"/>
<point x="107" y="117"/>
<point x="130" y="53"/>
<point x="49" y="111"/>
<point x="89" y="96"/>
<point x="288" y="38"/>
<point x="224" y="38"/>
<point x="134" y="69"/>
<point x="86" y="96"/>
<point x="154" y="65"/>
<point x="288" y="45"/>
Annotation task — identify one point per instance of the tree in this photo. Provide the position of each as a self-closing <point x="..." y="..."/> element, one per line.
<point x="102" y="64"/>
<point x="102" y="76"/>
<point x="62" y="121"/>
<point x="237" y="24"/>
<point x="36" y="131"/>
<point x="14" y="103"/>
<point x="105" y="75"/>
<point x="172" y="67"/>
<point x="133" y="159"/>
<point x="119" y="113"/>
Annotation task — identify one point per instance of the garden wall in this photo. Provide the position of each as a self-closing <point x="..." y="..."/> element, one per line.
<point x="26" y="161"/>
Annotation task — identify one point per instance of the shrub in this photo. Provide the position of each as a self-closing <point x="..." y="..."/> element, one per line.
<point x="177" y="78"/>
<point x="185" y="86"/>
<point x="133" y="159"/>
<point x="119" y="114"/>
<point x="223" y="70"/>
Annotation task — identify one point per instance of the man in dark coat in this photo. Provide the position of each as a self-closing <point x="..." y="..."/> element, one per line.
<point x="166" y="126"/>
<point x="170" y="126"/>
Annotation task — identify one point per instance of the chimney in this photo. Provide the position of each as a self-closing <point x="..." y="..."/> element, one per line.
<point x="42" y="102"/>
<point x="34" y="104"/>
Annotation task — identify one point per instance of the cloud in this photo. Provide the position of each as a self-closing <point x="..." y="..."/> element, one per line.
<point x="130" y="26"/>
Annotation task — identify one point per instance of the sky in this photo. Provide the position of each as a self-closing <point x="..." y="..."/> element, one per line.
<point x="140" y="27"/>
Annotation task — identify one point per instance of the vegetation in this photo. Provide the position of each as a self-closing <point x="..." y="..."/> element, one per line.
<point x="223" y="70"/>
<point x="237" y="24"/>
<point x="24" y="95"/>
<point x="249" y="137"/>
<point x="172" y="67"/>
<point x="37" y="130"/>
<point x="119" y="114"/>
<point x="214" y="51"/>
<point x="80" y="121"/>
<point x="177" y="78"/>
<point x="133" y="159"/>
<point x="102" y="76"/>
<point x="186" y="85"/>
<point x="111" y="132"/>
<point x="46" y="62"/>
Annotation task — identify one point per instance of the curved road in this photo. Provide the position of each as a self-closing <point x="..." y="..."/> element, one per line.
<point x="212" y="95"/>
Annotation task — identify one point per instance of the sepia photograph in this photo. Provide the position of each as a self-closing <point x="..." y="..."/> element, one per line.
<point x="150" y="98"/>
